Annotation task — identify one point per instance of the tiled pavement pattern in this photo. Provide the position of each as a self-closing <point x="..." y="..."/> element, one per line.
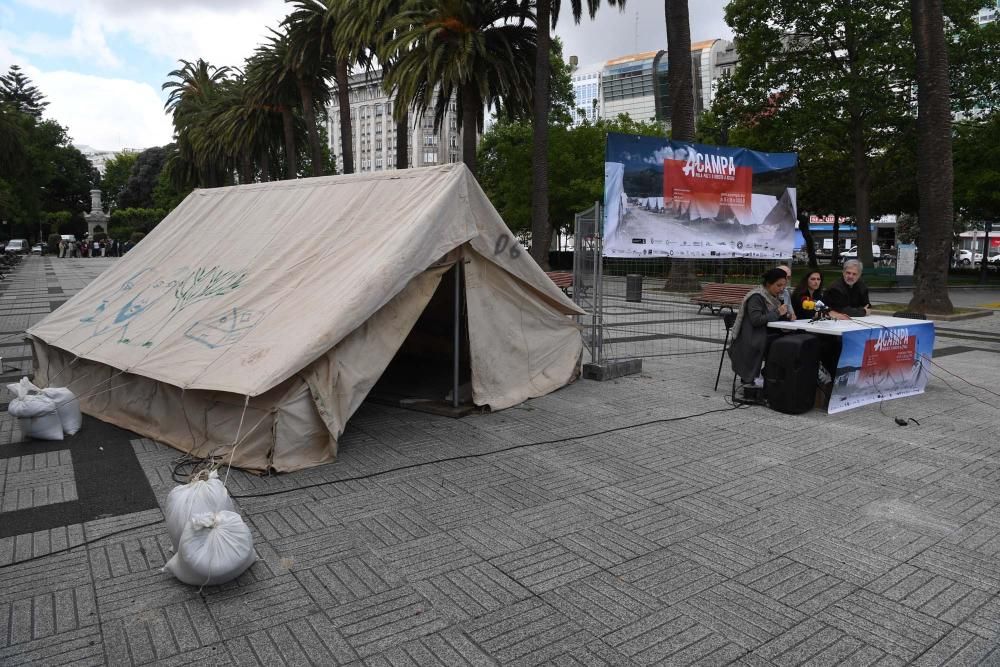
<point x="743" y="537"/>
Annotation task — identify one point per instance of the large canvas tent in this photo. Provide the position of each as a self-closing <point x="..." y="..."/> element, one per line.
<point x="262" y="315"/>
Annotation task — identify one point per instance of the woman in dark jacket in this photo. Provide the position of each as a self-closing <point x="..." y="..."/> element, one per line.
<point x="760" y="306"/>
<point x="810" y="288"/>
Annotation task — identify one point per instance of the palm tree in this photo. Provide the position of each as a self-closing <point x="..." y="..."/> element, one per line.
<point x="271" y="84"/>
<point x="363" y="34"/>
<point x="679" y="70"/>
<point x="934" y="166"/>
<point x="310" y="58"/>
<point x="547" y="15"/>
<point x="193" y="92"/>
<point x="475" y="52"/>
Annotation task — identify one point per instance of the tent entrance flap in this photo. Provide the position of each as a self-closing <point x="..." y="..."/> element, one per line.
<point x="422" y="374"/>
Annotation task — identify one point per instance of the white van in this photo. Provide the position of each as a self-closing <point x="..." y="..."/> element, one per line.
<point x="852" y="253"/>
<point x="16" y="247"/>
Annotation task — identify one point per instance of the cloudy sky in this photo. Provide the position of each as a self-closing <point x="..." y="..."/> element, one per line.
<point x="100" y="63"/>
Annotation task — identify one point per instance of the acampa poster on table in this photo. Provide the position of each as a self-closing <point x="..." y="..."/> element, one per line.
<point x="674" y="199"/>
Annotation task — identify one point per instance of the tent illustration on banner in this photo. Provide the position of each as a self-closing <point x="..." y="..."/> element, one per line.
<point x="264" y="314"/>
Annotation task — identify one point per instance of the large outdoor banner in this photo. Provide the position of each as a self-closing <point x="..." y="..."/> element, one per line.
<point x="672" y="199"/>
<point x="881" y="363"/>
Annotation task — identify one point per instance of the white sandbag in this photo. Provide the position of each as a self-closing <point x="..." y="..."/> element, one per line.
<point x="215" y="547"/>
<point x="67" y="406"/>
<point x="204" y="493"/>
<point x="37" y="413"/>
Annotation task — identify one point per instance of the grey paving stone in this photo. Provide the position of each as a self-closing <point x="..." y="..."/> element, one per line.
<point x="55" y="573"/>
<point x="814" y="643"/>
<point x="527" y="633"/>
<point x="448" y="647"/>
<point x="959" y="647"/>
<point x="608" y="544"/>
<point x="981" y="536"/>
<point x="471" y="591"/>
<point x="346" y="580"/>
<point x="497" y="536"/>
<point x="852" y="563"/>
<point x="37" y="480"/>
<point x="930" y="593"/>
<point x="667" y="575"/>
<point x="741" y="614"/>
<point x="985" y="621"/>
<point x="884" y="624"/>
<point x="244" y="610"/>
<point x="602" y="603"/>
<point x="660" y="488"/>
<point x="77" y="647"/>
<point x="771" y="530"/>
<point x="315" y="547"/>
<point x="712" y="508"/>
<point x="721" y="553"/>
<point x="957" y="503"/>
<point x="796" y="585"/>
<point x="670" y="637"/>
<point x="428" y="556"/>
<point x="886" y="537"/>
<point x="379" y="622"/>
<point x="959" y="564"/>
<point x="663" y="525"/>
<point x="544" y="566"/>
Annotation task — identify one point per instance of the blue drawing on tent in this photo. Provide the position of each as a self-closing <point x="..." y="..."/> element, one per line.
<point x="225" y="328"/>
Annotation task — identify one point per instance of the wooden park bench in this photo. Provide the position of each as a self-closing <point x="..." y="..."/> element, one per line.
<point x="716" y="296"/>
<point x="562" y="279"/>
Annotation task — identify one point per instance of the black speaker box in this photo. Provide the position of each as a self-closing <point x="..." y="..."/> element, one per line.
<point x="791" y="373"/>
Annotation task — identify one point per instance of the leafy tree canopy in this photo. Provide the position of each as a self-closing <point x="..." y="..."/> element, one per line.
<point x="142" y="178"/>
<point x="116" y="173"/>
<point x="17" y="90"/>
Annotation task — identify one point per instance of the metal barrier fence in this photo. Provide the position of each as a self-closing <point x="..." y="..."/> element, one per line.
<point x="642" y="307"/>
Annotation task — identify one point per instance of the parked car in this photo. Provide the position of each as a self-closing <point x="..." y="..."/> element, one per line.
<point x="852" y="253"/>
<point x="16" y="247"/>
<point x="963" y="257"/>
<point x="38" y="249"/>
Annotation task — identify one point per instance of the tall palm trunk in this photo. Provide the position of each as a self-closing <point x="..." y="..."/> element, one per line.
<point x="470" y="116"/>
<point x="934" y="166"/>
<point x="679" y="70"/>
<point x="541" y="230"/>
<point x="309" y="115"/>
<point x="682" y="276"/>
<point x="265" y="166"/>
<point x="403" y="141"/>
<point x="246" y="167"/>
<point x="862" y="195"/>
<point x="289" y="131"/>
<point x="344" y="102"/>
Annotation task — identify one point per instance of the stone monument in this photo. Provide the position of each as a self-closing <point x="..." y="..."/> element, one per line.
<point x="97" y="217"/>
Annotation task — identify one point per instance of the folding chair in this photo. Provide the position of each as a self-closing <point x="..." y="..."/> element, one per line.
<point x="729" y="319"/>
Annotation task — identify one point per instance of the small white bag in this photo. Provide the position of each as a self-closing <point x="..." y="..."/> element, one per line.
<point x="215" y="547"/>
<point x="205" y="493"/>
<point x="38" y="414"/>
<point x="66" y="405"/>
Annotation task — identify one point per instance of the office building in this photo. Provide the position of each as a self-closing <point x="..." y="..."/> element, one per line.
<point x="374" y="130"/>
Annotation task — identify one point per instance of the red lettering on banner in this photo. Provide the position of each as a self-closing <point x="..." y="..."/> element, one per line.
<point x="707" y="187"/>
<point x="881" y="356"/>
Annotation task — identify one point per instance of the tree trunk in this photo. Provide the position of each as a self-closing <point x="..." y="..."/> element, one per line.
<point x="862" y="195"/>
<point x="403" y="141"/>
<point x="470" y="114"/>
<point x="835" y="254"/>
<point x="344" y="102"/>
<point x="934" y="165"/>
<point x="246" y="167"/>
<point x="541" y="230"/>
<point x="291" y="171"/>
<point x="807" y="235"/>
<point x="679" y="70"/>
<point x="309" y="115"/>
<point x="265" y="166"/>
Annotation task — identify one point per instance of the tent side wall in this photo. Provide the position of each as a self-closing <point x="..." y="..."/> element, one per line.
<point x="280" y="431"/>
<point x="521" y="345"/>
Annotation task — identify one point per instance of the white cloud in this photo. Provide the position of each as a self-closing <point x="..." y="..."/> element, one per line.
<point x="107" y="114"/>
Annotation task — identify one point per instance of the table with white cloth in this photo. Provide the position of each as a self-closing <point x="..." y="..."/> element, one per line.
<point x="881" y="357"/>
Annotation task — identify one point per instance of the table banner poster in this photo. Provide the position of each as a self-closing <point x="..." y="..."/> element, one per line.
<point x="881" y="363"/>
<point x="677" y="199"/>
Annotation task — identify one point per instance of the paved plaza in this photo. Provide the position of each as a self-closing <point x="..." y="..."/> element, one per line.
<point x="633" y="522"/>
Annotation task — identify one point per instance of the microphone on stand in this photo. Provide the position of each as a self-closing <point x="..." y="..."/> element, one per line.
<point x="821" y="311"/>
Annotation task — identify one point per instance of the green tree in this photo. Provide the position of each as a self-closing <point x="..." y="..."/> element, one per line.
<point x="546" y="16"/>
<point x="475" y="53"/>
<point x="312" y="59"/>
<point x="977" y="168"/>
<point x="17" y="90"/>
<point x="272" y="87"/>
<point x="142" y="178"/>
<point x="116" y="172"/>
